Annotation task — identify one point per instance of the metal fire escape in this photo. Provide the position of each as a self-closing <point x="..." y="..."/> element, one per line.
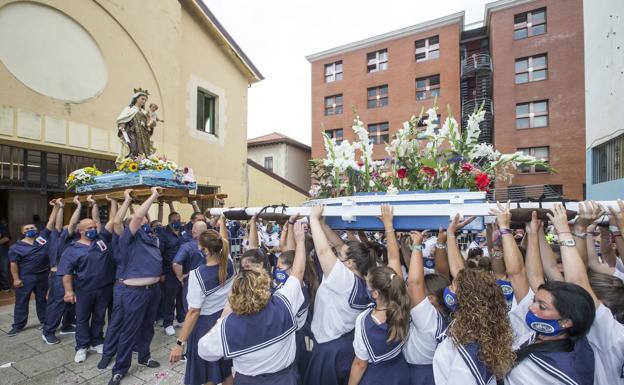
<point x="476" y="90"/>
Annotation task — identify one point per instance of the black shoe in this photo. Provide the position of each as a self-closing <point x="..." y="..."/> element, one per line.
<point x="116" y="380"/>
<point x="13" y="332"/>
<point x="150" y="363"/>
<point x="68" y="330"/>
<point x="50" y="339"/>
<point x="104" y="362"/>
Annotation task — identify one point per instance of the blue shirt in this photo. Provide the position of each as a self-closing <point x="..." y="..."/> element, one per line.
<point x="91" y="265"/>
<point x="170" y="243"/>
<point x="139" y="255"/>
<point x="32" y="259"/>
<point x="4" y="248"/>
<point x="60" y="242"/>
<point x="189" y="256"/>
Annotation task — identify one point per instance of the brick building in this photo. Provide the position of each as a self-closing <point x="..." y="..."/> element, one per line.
<point x="524" y="62"/>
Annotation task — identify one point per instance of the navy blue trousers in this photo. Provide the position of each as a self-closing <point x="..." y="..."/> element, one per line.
<point x="37" y="283"/>
<point x="56" y="308"/>
<point x="91" y="305"/>
<point x="171" y="300"/>
<point x="114" y="323"/>
<point x="139" y="307"/>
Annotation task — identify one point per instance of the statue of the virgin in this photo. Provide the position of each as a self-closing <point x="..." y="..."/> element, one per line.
<point x="135" y="129"/>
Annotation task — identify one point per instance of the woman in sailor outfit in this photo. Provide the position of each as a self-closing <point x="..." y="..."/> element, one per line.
<point x="552" y="318"/>
<point x="476" y="347"/>
<point x="429" y="316"/>
<point x="341" y="297"/>
<point x="381" y="331"/>
<point x="310" y="284"/>
<point x="208" y="288"/>
<point x="258" y="332"/>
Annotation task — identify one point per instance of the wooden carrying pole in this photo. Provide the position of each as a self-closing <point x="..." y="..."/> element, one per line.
<point x="140" y="193"/>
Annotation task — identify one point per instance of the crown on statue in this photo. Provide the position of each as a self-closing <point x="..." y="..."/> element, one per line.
<point x="141" y="90"/>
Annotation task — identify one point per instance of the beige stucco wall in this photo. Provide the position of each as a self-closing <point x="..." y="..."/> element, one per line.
<point x="264" y="190"/>
<point x="297" y="167"/>
<point x="162" y="48"/>
<point x="277" y="151"/>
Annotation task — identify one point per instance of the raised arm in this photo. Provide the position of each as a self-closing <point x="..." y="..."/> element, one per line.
<point x="112" y="213"/>
<point x="606" y="249"/>
<point x="137" y="218"/>
<point x="588" y="212"/>
<point x="283" y="243"/>
<point x="440" y="255"/>
<point x="121" y="213"/>
<point x="324" y="252"/>
<point x="52" y="218"/>
<point x="573" y="267"/>
<point x="592" y="259"/>
<point x="455" y="259"/>
<point x="534" y="269"/>
<point x="161" y="209"/>
<point x="73" y="221"/>
<point x="513" y="258"/>
<point x="416" y="274"/>
<point x="616" y="218"/>
<point x="196" y="208"/>
<point x="59" y="215"/>
<point x="549" y="260"/>
<point x="298" y="266"/>
<point x="394" y="254"/>
<point x="331" y="235"/>
<point x="95" y="212"/>
<point x="290" y="234"/>
<point x="254" y="243"/>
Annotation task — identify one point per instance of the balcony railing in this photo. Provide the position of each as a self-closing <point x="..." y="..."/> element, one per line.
<point x="469" y="106"/>
<point x="475" y="63"/>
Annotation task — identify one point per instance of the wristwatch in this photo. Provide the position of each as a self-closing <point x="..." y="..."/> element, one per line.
<point x="567" y="242"/>
<point x="180" y="343"/>
<point x="417" y="247"/>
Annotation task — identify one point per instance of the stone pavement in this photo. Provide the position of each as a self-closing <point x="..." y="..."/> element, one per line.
<point x="35" y="363"/>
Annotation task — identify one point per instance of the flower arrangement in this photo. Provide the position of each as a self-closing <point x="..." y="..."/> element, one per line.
<point x="82" y="176"/>
<point x="421" y="156"/>
<point x="149" y="163"/>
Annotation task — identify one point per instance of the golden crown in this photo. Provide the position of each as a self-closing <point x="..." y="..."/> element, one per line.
<point x="141" y="90"/>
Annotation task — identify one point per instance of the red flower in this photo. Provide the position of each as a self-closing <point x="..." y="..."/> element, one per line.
<point x="482" y="181"/>
<point x="402" y="172"/>
<point x="360" y="164"/>
<point x="467" y="167"/>
<point x="429" y="171"/>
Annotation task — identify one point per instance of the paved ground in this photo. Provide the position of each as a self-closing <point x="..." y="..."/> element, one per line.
<point x="35" y="363"/>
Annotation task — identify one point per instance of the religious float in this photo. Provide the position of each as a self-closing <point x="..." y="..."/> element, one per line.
<point x="137" y="165"/>
<point x="431" y="173"/>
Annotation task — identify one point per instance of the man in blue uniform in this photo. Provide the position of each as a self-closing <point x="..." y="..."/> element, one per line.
<point x="171" y="238"/>
<point x="142" y="266"/>
<point x="56" y="307"/>
<point x="89" y="261"/>
<point x="29" y="267"/>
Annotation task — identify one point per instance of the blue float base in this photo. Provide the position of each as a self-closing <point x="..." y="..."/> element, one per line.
<point x="148" y="178"/>
<point x="402" y="223"/>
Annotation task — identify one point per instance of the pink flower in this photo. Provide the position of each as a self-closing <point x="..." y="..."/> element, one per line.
<point x="467" y="167"/>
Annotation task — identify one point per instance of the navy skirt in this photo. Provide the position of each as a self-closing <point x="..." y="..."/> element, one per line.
<point x="421" y="374"/>
<point x="198" y="371"/>
<point x="288" y="376"/>
<point x="303" y="355"/>
<point x="330" y="362"/>
<point x="391" y="372"/>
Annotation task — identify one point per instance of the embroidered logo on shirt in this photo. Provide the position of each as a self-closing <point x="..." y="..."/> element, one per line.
<point x="40" y="240"/>
<point x="101" y="245"/>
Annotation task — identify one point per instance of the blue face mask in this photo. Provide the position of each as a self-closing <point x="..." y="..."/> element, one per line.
<point x="480" y="239"/>
<point x="546" y="327"/>
<point x="280" y="276"/>
<point x="91" y="234"/>
<point x="176" y="225"/>
<point x="31" y="233"/>
<point x="146" y="227"/>
<point x="369" y="292"/>
<point x="450" y="299"/>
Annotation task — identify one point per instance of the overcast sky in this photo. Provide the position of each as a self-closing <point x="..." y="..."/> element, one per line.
<point x="277" y="35"/>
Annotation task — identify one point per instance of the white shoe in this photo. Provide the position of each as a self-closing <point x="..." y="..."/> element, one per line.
<point x="178" y="324"/>
<point x="99" y="349"/>
<point x="170" y="331"/>
<point x="81" y="356"/>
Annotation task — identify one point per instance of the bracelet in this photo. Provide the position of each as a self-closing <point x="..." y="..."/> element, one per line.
<point x="390" y="231"/>
<point x="291" y="223"/>
<point x="580" y="235"/>
<point x="417" y="248"/>
<point x="564" y="232"/>
<point x="440" y="246"/>
<point x="504" y="231"/>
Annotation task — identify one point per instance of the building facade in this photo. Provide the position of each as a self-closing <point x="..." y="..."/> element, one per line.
<point x="523" y="63"/>
<point x="68" y="69"/>
<point x="604" y="92"/>
<point x="283" y="156"/>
